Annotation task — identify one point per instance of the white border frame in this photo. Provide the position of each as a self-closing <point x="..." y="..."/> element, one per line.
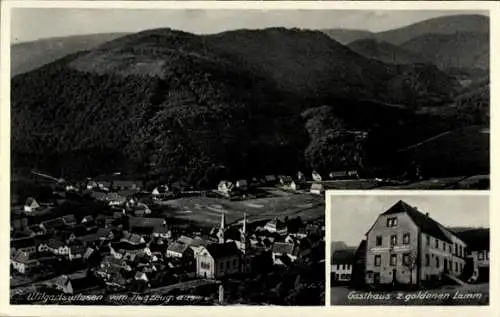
<point x="385" y="311"/>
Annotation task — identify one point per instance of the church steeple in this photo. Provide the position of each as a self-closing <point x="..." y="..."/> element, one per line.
<point x="220" y="233"/>
<point x="243" y="234"/>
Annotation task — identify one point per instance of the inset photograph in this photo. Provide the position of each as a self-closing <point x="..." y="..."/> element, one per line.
<point x="401" y="249"/>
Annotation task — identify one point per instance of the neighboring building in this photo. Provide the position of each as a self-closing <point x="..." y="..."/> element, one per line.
<point x="317" y="189"/>
<point x="31" y="205"/>
<point x="218" y="260"/>
<point x="226" y="188"/>
<point x="478" y="252"/>
<point x="55" y="246"/>
<point x="88" y="219"/>
<point x="284" y="253"/>
<point x="69" y="220"/>
<point x="76" y="252"/>
<point x="161" y="192"/>
<point x="342" y="265"/>
<point x="316" y="176"/>
<point x="408" y="247"/>
<point x="242" y="184"/>
<point x="270" y="179"/>
<point x="350" y="174"/>
<point x="179" y="250"/>
<point x="127" y="184"/>
<point x="24" y="262"/>
<point x="276" y="226"/>
<point x="73" y="284"/>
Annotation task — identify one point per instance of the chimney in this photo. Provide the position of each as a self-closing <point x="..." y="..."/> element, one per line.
<point x="427" y="214"/>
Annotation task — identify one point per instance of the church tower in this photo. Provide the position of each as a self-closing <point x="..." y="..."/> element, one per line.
<point x="243" y="235"/>
<point x="220" y="233"/>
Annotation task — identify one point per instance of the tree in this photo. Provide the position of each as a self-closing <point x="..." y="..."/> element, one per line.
<point x="411" y="264"/>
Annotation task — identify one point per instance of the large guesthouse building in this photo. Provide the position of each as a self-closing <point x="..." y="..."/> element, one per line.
<point x="406" y="246"/>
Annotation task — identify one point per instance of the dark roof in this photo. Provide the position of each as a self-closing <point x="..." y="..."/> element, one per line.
<point x="425" y="223"/>
<point x="54" y="223"/>
<point x="220" y="250"/>
<point x="54" y="243"/>
<point x="343" y="257"/>
<point x="178" y="247"/>
<point x="22" y="243"/>
<point x="69" y="218"/>
<point x="145" y="222"/>
<point x="142" y="230"/>
<point x="283" y="248"/>
<point x="476" y="238"/>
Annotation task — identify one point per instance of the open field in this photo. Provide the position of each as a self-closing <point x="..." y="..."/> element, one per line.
<point x="207" y="210"/>
<point x="452" y="295"/>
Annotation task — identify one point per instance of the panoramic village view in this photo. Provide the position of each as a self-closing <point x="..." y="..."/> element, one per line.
<point x="186" y="162"/>
<point x="406" y="256"/>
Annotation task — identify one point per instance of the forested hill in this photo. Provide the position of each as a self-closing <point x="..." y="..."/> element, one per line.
<point x="27" y="56"/>
<point x="180" y="106"/>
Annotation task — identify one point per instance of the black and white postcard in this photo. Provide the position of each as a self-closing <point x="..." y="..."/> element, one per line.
<point x="180" y="154"/>
<point x="419" y="249"/>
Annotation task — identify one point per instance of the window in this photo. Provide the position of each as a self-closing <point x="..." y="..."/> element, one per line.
<point x="480" y="256"/>
<point x="436" y="244"/>
<point x="377" y="260"/>
<point x="406" y="259"/>
<point x="394" y="240"/>
<point x="205" y="265"/>
<point x="444" y="246"/>
<point x="406" y="238"/>
<point x="427" y="260"/>
<point x="456" y="249"/>
<point x="234" y="263"/>
<point x="222" y="265"/>
<point x="343" y="266"/>
<point x="392" y="222"/>
<point x="456" y="266"/>
<point x="394" y="259"/>
<point x="378" y="241"/>
<point x="428" y="241"/>
<point x="437" y="262"/>
<point x="338" y="267"/>
<point x="449" y="248"/>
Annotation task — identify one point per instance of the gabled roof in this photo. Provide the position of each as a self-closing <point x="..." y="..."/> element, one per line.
<point x="425" y="223"/>
<point x="177" y="247"/>
<point x="185" y="240"/>
<point x="69" y="218"/>
<point x="220" y="250"/>
<point x="54" y="223"/>
<point x="132" y="238"/>
<point x="343" y="257"/>
<point x="30" y="201"/>
<point x="24" y="257"/>
<point x="62" y="280"/>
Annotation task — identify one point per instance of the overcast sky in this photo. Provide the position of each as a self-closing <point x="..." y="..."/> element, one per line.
<point x="352" y="216"/>
<point x="30" y="24"/>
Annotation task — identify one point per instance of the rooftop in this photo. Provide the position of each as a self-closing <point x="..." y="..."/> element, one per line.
<point x="424" y="222"/>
